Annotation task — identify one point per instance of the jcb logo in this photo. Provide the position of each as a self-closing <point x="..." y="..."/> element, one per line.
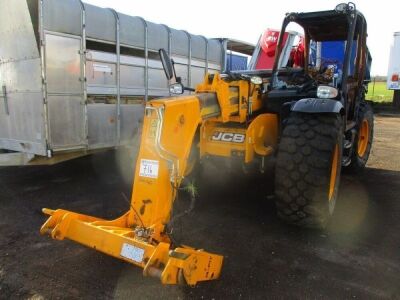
<point x="228" y="137"/>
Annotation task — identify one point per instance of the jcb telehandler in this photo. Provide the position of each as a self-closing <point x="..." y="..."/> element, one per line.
<point x="312" y="118"/>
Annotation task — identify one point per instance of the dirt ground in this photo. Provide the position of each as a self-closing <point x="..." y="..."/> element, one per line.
<point x="357" y="257"/>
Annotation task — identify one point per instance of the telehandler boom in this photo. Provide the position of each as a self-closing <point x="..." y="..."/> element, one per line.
<point x="140" y="236"/>
<point x="311" y="120"/>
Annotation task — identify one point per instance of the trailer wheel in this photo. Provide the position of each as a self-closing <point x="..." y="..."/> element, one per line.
<point x="363" y="139"/>
<point x="308" y="168"/>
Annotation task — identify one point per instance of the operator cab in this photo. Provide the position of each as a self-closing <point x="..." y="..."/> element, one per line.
<point x="335" y="60"/>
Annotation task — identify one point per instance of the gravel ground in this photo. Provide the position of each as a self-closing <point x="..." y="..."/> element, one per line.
<point x="358" y="256"/>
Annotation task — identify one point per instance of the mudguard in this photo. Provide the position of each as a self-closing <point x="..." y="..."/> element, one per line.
<point x="317" y="105"/>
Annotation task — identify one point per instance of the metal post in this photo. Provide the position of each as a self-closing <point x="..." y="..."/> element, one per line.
<point x="118" y="52"/>
<point x="146" y="60"/>
<point x="224" y="57"/>
<point x="189" y="66"/>
<point x="319" y="55"/>
<point x="230" y="60"/>
<point x="5" y="100"/>
<point x="169" y="38"/>
<point x="83" y="72"/>
<point x="254" y="57"/>
<point x="206" y="56"/>
<point x="169" y="48"/>
<point x="44" y="81"/>
<point x="352" y="19"/>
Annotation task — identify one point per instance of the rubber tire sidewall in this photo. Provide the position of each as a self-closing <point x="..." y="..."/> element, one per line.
<point x="303" y="200"/>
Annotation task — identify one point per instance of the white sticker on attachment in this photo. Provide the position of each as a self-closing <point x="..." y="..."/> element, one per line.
<point x="133" y="253"/>
<point x="148" y="168"/>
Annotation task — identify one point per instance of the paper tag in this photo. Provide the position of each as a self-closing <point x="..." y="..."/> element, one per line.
<point x="148" y="168"/>
<point x="132" y="252"/>
<point x="102" y="68"/>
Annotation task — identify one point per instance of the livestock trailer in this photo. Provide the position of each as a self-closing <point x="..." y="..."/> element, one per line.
<point x="74" y="77"/>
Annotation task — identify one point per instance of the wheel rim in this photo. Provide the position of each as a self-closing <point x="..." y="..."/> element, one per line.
<point x="363" y="138"/>
<point x="334" y="170"/>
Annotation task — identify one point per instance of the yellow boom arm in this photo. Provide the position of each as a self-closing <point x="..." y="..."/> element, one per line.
<point x="169" y="127"/>
<point x="139" y="235"/>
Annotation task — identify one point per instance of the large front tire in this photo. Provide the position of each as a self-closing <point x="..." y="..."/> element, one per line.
<point x="308" y="168"/>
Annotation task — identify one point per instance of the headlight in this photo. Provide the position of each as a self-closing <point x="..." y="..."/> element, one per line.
<point x="176" y="88"/>
<point x="256" y="80"/>
<point x="326" y="92"/>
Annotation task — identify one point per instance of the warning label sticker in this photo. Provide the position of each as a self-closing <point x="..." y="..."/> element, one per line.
<point x="148" y="168"/>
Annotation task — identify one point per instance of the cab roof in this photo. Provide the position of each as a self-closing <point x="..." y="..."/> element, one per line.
<point x="330" y="25"/>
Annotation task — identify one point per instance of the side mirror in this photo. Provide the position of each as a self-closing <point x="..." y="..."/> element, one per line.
<point x="167" y="64"/>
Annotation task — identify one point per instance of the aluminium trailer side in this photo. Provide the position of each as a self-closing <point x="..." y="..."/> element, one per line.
<point x="74" y="76"/>
<point x="393" y="75"/>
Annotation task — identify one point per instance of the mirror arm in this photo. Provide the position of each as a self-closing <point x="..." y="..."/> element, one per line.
<point x="173" y="70"/>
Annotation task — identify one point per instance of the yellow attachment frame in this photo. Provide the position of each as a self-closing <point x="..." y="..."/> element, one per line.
<point x="139" y="236"/>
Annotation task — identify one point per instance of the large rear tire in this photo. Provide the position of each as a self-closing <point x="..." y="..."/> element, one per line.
<point x="308" y="168"/>
<point x="363" y="139"/>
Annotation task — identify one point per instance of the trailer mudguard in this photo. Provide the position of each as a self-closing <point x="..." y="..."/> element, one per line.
<point x="317" y="105"/>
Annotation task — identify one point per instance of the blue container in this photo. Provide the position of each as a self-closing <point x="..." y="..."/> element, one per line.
<point x="332" y="53"/>
<point x="236" y="62"/>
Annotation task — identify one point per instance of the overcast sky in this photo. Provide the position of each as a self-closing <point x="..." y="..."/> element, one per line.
<point x="247" y="20"/>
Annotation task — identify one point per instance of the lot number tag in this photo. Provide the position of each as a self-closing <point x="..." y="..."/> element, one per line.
<point x="148" y="168"/>
<point x="133" y="253"/>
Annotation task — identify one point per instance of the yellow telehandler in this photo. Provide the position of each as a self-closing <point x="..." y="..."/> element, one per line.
<point x="311" y="118"/>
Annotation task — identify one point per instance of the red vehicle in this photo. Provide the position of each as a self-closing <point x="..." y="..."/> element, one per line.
<point x="264" y="54"/>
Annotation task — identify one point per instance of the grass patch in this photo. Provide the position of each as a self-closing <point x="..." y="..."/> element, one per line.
<point x="378" y="92"/>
